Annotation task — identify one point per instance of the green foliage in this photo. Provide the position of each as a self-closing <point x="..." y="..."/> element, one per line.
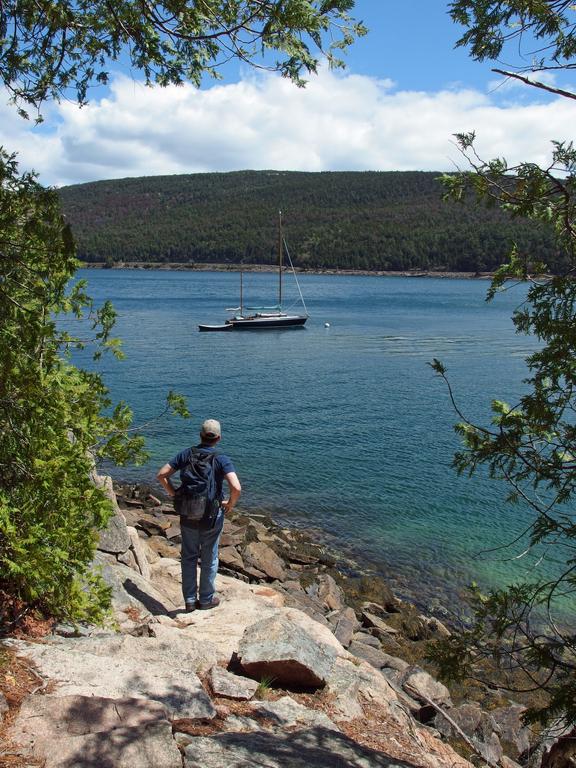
<point x="52" y="47"/>
<point x="55" y="418"/>
<point x="265" y="686"/>
<point x="177" y="405"/>
<point x="528" y="628"/>
<point x="504" y="647"/>
<point x="347" y="220"/>
<point x="51" y="423"/>
<point x="543" y="32"/>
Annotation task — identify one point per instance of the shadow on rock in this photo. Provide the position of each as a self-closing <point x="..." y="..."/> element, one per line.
<point x="320" y="747"/>
<point x="150" y="603"/>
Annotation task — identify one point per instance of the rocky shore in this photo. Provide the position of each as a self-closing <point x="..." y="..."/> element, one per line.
<point x="300" y="665"/>
<point x="200" y="267"/>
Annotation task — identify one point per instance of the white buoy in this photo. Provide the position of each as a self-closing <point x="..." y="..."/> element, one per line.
<point x="326" y="325"/>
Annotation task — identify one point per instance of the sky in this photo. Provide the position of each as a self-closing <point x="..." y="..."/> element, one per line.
<point x="405" y="92"/>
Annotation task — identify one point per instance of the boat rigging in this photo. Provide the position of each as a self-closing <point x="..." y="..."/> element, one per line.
<point x="264" y="318"/>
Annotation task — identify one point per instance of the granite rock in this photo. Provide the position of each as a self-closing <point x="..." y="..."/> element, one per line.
<point x="318" y="747"/>
<point x="114" y="538"/>
<point x="147" y="746"/>
<point x="278" y="649"/>
<point x="329" y="593"/>
<point x="514" y="735"/>
<point x="287" y="713"/>
<point x="224" y="683"/>
<point x="95" y="666"/>
<point x="478" y="725"/>
<point x="139" y="552"/>
<point x="3" y="706"/>
<point x="373" y="656"/>
<point x="43" y="716"/>
<point x="421" y="685"/>
<point x="262" y="557"/>
<point x="345" y="625"/>
<point x="366" y="639"/>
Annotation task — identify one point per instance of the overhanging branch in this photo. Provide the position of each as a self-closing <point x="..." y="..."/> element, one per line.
<point x="536" y="84"/>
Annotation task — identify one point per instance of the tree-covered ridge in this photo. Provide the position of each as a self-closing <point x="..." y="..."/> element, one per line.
<point x="347" y="220"/>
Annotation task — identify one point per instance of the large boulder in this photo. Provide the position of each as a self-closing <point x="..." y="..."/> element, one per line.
<point x="241" y="604"/>
<point x="163" y="546"/>
<point x="307" y="604"/>
<point x="422" y="686"/>
<point x="168" y="566"/>
<point x="168" y="647"/>
<point x="262" y="557"/>
<point x="155" y="524"/>
<point x="283" y="651"/>
<point x="514" y="735"/>
<point x="479" y="726"/>
<point x="79" y="667"/>
<point x="232" y="534"/>
<point x="367" y="639"/>
<point x="372" y="619"/>
<point x="353" y="683"/>
<point x="229" y="557"/>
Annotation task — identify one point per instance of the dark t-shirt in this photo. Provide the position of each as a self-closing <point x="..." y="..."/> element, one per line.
<point x="222" y="465"/>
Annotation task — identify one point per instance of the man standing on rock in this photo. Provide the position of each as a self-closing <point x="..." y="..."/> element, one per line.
<point x="198" y="542"/>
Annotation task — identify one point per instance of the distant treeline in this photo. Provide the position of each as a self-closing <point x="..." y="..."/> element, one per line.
<point x="347" y="220"/>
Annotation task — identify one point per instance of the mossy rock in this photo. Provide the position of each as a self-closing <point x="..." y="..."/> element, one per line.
<point x="307" y="578"/>
<point x="412" y="625"/>
<point x="371" y="589"/>
<point x="250" y="535"/>
<point x="302" y="552"/>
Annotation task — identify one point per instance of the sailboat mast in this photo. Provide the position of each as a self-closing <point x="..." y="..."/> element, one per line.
<point x="279" y="259"/>
<point x="241" y="296"/>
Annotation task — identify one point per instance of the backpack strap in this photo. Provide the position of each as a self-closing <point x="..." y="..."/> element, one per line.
<point x="198" y="452"/>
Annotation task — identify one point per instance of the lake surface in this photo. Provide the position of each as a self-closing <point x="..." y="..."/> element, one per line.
<point x="342" y="428"/>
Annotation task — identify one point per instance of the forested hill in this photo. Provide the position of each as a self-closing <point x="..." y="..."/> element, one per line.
<point x="355" y="220"/>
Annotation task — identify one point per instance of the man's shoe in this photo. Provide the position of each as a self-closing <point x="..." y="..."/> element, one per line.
<point x="190" y="606"/>
<point x="206" y="606"/>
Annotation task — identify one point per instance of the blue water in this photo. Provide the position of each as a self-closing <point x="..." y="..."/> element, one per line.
<point x="345" y="429"/>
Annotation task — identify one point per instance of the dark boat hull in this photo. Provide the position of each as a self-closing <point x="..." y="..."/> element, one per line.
<point x="268" y="323"/>
<point x="257" y="323"/>
<point x="205" y="328"/>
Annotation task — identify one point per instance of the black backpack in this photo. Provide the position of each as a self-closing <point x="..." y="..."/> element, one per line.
<point x="195" y="499"/>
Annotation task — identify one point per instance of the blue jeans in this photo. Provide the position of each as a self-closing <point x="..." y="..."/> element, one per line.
<point x="203" y="544"/>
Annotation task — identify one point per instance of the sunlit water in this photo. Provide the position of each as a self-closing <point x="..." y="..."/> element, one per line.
<point x="342" y="428"/>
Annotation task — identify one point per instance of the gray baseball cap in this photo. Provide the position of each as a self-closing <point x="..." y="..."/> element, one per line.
<point x="211" y="428"/>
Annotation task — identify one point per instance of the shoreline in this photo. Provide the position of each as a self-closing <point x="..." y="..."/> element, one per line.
<point x="312" y="548"/>
<point x="270" y="268"/>
<point x="318" y="579"/>
<point x="348" y="560"/>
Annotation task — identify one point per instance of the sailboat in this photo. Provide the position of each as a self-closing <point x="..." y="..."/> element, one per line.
<point x="264" y="318"/>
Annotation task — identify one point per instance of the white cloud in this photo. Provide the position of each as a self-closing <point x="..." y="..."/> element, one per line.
<point x="338" y="122"/>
